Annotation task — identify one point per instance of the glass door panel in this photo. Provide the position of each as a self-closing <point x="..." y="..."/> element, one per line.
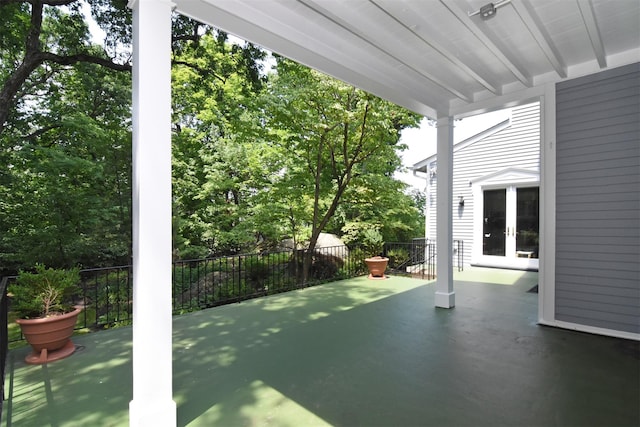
<point x="527" y="222"/>
<point x="494" y="222"/>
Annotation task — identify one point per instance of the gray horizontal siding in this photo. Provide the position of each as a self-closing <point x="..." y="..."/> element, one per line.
<point x="578" y="284"/>
<point x="598" y="200"/>
<point x="608" y="318"/>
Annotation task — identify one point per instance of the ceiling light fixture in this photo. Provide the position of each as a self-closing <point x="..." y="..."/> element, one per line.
<point x="489" y="10"/>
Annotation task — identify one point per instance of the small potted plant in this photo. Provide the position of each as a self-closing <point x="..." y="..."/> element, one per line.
<point x="42" y="301"/>
<point x="372" y="243"/>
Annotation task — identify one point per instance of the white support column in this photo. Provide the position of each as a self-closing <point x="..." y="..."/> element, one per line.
<point x="445" y="296"/>
<point x="152" y="403"/>
<point x="547" y="262"/>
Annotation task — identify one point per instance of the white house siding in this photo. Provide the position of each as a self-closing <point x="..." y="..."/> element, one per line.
<point x="513" y="145"/>
<point x="598" y="200"/>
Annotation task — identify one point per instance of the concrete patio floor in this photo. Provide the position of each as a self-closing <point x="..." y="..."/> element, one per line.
<point x="353" y="353"/>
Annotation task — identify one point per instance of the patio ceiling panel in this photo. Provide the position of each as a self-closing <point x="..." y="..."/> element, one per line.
<point x="619" y="27"/>
<point x="570" y="35"/>
<point x="397" y="40"/>
<point x="431" y="56"/>
<point x="458" y="48"/>
<point x="346" y="34"/>
<point x="537" y="30"/>
<point x="321" y="43"/>
<point x="512" y="30"/>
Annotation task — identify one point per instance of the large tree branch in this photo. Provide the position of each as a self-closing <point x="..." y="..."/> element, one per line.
<point x="83" y="57"/>
<point x="316" y="184"/>
<point x="204" y="72"/>
<point x="185" y="37"/>
<point x="32" y="61"/>
<point x="34" y="57"/>
<point x="359" y="147"/>
<point x="41" y="131"/>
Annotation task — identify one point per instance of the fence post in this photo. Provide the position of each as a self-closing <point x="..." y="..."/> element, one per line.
<point x="4" y="341"/>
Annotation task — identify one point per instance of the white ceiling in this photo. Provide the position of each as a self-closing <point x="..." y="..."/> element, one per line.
<point x="429" y="55"/>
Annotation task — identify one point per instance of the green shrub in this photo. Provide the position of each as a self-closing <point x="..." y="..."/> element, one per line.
<point x="45" y="292"/>
<point x="372" y="241"/>
<point x="398" y="257"/>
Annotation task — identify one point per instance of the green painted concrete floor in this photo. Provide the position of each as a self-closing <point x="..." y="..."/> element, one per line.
<point x="353" y="353"/>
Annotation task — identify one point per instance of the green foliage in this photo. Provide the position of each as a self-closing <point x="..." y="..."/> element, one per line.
<point x="256" y="157"/>
<point x="65" y="188"/>
<point x="365" y="236"/>
<point x="114" y="18"/>
<point x="339" y="144"/>
<point x="14" y="332"/>
<point x="398" y="257"/>
<point x="216" y="162"/>
<point x="257" y="272"/>
<point x="372" y="241"/>
<point x="66" y="193"/>
<point x="44" y="292"/>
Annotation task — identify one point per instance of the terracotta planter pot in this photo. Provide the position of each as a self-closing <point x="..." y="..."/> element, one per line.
<point x="377" y="265"/>
<point x="49" y="337"/>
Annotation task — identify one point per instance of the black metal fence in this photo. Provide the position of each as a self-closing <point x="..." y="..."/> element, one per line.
<point x="206" y="283"/>
<point x="201" y="283"/>
<point x="416" y="258"/>
<point x="4" y="339"/>
<point x="107" y="297"/>
<point x="459" y="254"/>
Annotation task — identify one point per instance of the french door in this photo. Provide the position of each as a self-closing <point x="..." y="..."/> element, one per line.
<point x="510" y="227"/>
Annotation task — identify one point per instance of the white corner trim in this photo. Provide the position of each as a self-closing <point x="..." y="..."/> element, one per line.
<point x="590" y="329"/>
<point x="547" y="269"/>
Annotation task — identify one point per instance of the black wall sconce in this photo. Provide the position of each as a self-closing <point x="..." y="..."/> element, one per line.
<point x="461" y="201"/>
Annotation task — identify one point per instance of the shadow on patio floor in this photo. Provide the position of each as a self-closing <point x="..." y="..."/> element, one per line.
<point x="355" y="352"/>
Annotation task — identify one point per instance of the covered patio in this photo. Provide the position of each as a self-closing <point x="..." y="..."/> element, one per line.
<point x="354" y="352"/>
<point x="397" y="352"/>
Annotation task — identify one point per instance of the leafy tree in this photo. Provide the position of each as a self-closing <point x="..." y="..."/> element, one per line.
<point x="66" y="190"/>
<point x="337" y="138"/>
<point x="390" y="210"/>
<point x="252" y="161"/>
<point x="65" y="128"/>
<point x="64" y="138"/>
<point x="216" y="127"/>
<point x="40" y="38"/>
